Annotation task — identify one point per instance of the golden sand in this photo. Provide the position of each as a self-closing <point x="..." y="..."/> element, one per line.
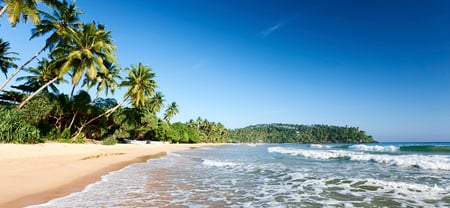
<point x="34" y="174"/>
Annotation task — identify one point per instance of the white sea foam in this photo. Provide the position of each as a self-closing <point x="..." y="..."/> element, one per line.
<point x="428" y="162"/>
<point x="320" y="146"/>
<point x="408" y="187"/>
<point x="173" y="154"/>
<point x="374" y="148"/>
<point x="219" y="163"/>
<point x="257" y="179"/>
<point x="311" y="185"/>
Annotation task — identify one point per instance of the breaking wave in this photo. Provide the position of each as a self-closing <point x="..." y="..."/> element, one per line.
<point x="427" y="162"/>
<point x="219" y="163"/>
<point x="374" y="148"/>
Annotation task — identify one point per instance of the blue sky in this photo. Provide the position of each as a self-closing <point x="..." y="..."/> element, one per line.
<point x="383" y="66"/>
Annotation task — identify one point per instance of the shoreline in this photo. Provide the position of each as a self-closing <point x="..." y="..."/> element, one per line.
<point x="35" y="174"/>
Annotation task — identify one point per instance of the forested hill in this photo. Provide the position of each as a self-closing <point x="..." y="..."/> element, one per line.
<point x="294" y="133"/>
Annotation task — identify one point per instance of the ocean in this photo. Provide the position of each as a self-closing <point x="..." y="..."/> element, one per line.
<point x="279" y="175"/>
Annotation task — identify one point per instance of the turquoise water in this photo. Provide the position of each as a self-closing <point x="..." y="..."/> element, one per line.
<point x="279" y="175"/>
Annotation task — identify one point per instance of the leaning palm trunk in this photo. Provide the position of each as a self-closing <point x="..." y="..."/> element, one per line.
<point x="3" y="10"/>
<point x="73" y="89"/>
<point x="37" y="91"/>
<point x="106" y="113"/>
<point x="73" y="119"/>
<point x="20" y="68"/>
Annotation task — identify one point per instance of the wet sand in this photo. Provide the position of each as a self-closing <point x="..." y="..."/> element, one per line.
<point x="34" y="174"/>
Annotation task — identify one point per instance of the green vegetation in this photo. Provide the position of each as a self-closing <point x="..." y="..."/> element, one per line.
<point x="34" y="110"/>
<point x="293" y="133"/>
<point x="198" y="131"/>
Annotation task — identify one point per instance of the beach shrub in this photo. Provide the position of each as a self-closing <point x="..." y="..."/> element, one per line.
<point x="111" y="140"/>
<point x="80" y="139"/>
<point x="15" y="129"/>
<point x="65" y="134"/>
<point x="27" y="134"/>
<point x="39" y="108"/>
<point x="65" y="138"/>
<point x="53" y="134"/>
<point x="121" y="134"/>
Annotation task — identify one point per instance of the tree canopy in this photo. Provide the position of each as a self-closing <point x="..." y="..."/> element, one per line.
<point x="85" y="54"/>
<point x="295" y="133"/>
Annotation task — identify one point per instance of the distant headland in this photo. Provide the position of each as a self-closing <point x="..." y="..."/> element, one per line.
<point x="297" y="133"/>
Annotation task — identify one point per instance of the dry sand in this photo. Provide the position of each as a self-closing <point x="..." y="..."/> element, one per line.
<point x="34" y="174"/>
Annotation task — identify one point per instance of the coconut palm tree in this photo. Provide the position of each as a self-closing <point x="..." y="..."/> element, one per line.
<point x="141" y="85"/>
<point x="156" y="103"/>
<point x="20" y="9"/>
<point x="105" y="81"/>
<point x="11" y="97"/>
<point x="90" y="47"/>
<point x="171" y="111"/>
<point x="65" y="20"/>
<point x="6" y="60"/>
<point x="53" y="75"/>
<point x="40" y="76"/>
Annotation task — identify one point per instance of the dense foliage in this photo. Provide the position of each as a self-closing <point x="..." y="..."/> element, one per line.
<point x="198" y="131"/>
<point x="15" y="129"/>
<point x="293" y="133"/>
<point x="34" y="109"/>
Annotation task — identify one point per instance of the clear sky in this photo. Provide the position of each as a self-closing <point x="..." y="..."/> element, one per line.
<point x="383" y="66"/>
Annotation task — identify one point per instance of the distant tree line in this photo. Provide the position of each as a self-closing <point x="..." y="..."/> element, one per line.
<point x="294" y="133"/>
<point x="198" y="131"/>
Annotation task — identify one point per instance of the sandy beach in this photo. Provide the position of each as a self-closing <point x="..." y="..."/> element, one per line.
<point x="34" y="174"/>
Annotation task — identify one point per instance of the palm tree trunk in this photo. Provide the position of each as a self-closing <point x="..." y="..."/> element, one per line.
<point x="107" y="113"/>
<point x="73" y="119"/>
<point x="73" y="89"/>
<point x="37" y="91"/>
<point x="96" y="95"/>
<point x="3" y="10"/>
<point x="20" y="68"/>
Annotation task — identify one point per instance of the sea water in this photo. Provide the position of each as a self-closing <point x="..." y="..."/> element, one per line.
<point x="279" y="175"/>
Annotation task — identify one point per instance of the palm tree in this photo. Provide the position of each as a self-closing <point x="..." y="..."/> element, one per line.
<point x="156" y="103"/>
<point x="6" y="60"/>
<point x="106" y="81"/>
<point x="64" y="20"/>
<point x="140" y="86"/>
<point x="88" y="50"/>
<point x="199" y="123"/>
<point x="11" y="97"/>
<point x="171" y="111"/>
<point x="140" y="83"/>
<point x="41" y="75"/>
<point x="20" y="9"/>
<point x="53" y="75"/>
<point x="191" y="123"/>
<point x="90" y="47"/>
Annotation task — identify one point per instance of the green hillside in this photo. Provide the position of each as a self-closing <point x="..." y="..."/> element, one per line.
<point x="295" y="133"/>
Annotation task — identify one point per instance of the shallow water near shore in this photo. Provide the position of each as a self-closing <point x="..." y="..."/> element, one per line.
<point x="279" y="175"/>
